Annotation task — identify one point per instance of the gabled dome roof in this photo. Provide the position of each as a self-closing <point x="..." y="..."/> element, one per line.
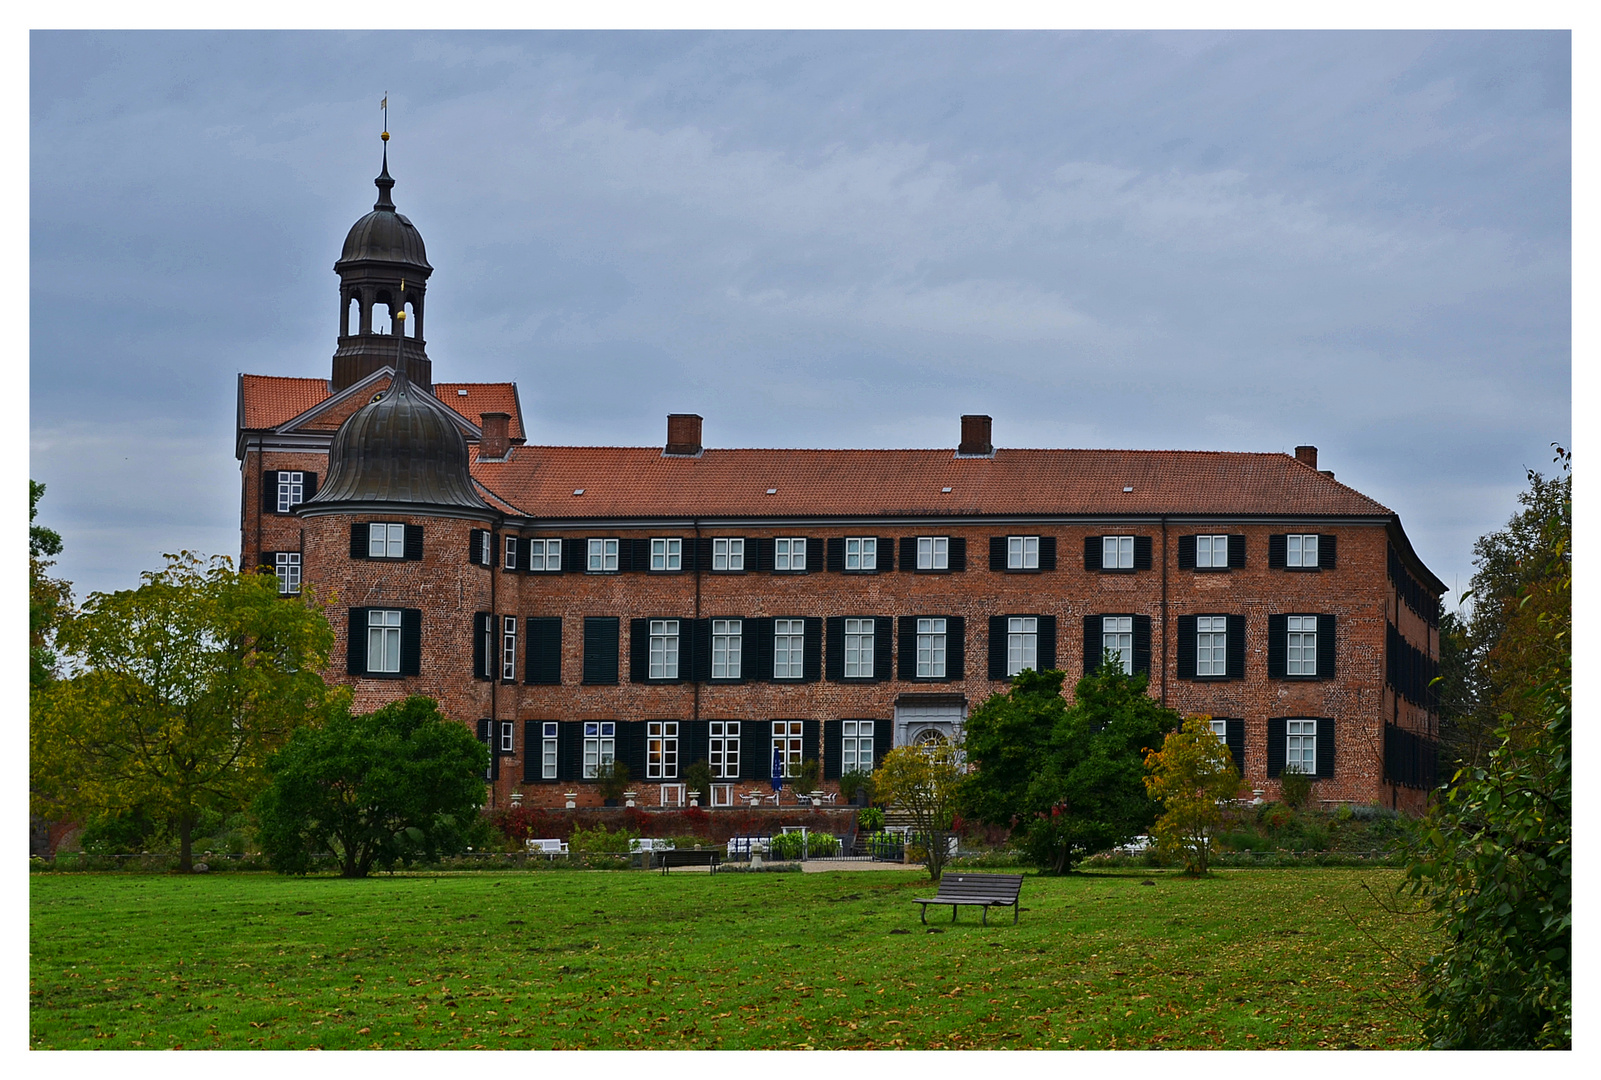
<point x="383" y="235"/>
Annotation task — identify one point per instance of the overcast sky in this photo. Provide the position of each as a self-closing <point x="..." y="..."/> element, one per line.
<point x="1232" y="241"/>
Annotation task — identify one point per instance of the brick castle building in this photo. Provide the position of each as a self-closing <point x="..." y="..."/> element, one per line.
<point x="663" y="605"/>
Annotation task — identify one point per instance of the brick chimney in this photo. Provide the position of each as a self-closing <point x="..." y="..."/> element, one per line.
<point x="1306" y="455"/>
<point x="683" y="434"/>
<point x="495" y="442"/>
<point x="975" y="436"/>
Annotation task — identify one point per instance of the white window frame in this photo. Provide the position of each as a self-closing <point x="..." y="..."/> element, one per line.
<point x="386" y="540"/>
<point x="931" y="648"/>
<point x="723" y="749"/>
<point x="1022" y="553"/>
<point x="1300" y="550"/>
<point x="728" y="553"/>
<point x="508" y="737"/>
<point x="727" y="648"/>
<point x="602" y="555"/>
<point x="1022" y="644"/>
<point x="548" y="757"/>
<point x="383" y="641"/>
<point x="1211" y="645"/>
<point x="861" y="553"/>
<point x="286" y="565"/>
<point x="1117" y="553"/>
<point x="789" y="738"/>
<point x="722" y="795"/>
<point x="666" y="553"/>
<point x="291" y="490"/>
<point x="508" y="556"/>
<point x="1300" y="645"/>
<point x="856" y="745"/>
<point x="1220" y="728"/>
<point x="789" y="553"/>
<point x="600" y="746"/>
<point x="789" y="641"/>
<point x="661" y="749"/>
<point x="508" y="648"/>
<point x="1119" y="631"/>
<point x="672" y="794"/>
<point x="1300" y="746"/>
<point x="933" y="553"/>
<point x="547" y="552"/>
<point x="1212" y="552"/>
<point x="860" y="637"/>
<point x="664" y="649"/>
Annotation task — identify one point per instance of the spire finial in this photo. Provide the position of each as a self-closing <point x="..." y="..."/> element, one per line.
<point x="384" y="181"/>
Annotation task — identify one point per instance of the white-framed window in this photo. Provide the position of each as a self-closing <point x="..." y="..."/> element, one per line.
<point x="664" y="648"/>
<point x="507" y="738"/>
<point x="1300" y="549"/>
<point x="859" y="635"/>
<point x="602" y="556"/>
<point x="1117" y="637"/>
<point x="666" y="553"/>
<point x="789" y="553"/>
<point x="508" y="647"/>
<point x="1211" y="551"/>
<point x="723" y="752"/>
<point x="1300" y="750"/>
<point x="727" y="648"/>
<point x="856" y="743"/>
<point x="1220" y="728"/>
<point x="386" y="541"/>
<point x="1117" y="553"/>
<point x="291" y="490"/>
<point x="861" y="553"/>
<point x="789" y="744"/>
<point x="544" y="554"/>
<point x="661" y="750"/>
<point x="1300" y="652"/>
<point x="722" y="794"/>
<point x="930" y="648"/>
<point x="1211" y="645"/>
<point x="547" y="753"/>
<point x="933" y="553"/>
<point x="728" y="553"/>
<point x="383" y="641"/>
<point x="600" y="746"/>
<point x="286" y="564"/>
<point x="789" y="648"/>
<point x="1022" y="553"/>
<point x="509" y="558"/>
<point x="1022" y="644"/>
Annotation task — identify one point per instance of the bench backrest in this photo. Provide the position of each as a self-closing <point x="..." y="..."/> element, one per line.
<point x="690" y="857"/>
<point x="546" y="845"/>
<point x="995" y="887"/>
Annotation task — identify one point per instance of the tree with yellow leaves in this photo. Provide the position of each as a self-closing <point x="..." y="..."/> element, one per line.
<point x="1189" y="776"/>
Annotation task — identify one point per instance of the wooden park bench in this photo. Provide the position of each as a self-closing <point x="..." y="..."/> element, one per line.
<point x="981" y="890"/>
<point x="548" y="848"/>
<point x="709" y="857"/>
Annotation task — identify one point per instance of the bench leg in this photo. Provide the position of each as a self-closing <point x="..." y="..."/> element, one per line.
<point x="1014" y="914"/>
<point x="923" y="913"/>
<point x="953" y="913"/>
<point x="986" y="914"/>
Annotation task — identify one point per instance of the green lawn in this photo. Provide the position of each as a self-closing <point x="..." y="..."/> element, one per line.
<point x="1250" y="958"/>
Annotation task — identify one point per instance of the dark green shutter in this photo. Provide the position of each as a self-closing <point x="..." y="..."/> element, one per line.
<point x="702" y="671"/>
<point x="1186" y="642"/>
<point x="542" y="663"/>
<point x="811" y="740"/>
<point x="833" y="748"/>
<point x="1092" y="553"/>
<point x="570" y="750"/>
<point x="356" y="647"/>
<point x="1142" y="644"/>
<point x="410" y="641"/>
<point x="638" y="650"/>
<point x="812" y="649"/>
<point x="834" y="653"/>
<point x="310" y="487"/>
<point x="1325" y="745"/>
<point x="1047" y="553"/>
<point x="886" y="554"/>
<point x="1325" y="646"/>
<point x="836" y="554"/>
<point x="883" y="735"/>
<point x="574" y="555"/>
<point x="631" y="747"/>
<point x="1142" y="553"/>
<point x="758" y="643"/>
<point x="1186" y="553"/>
<point x="269" y="491"/>
<point x="1046" y="647"/>
<point x="475" y="539"/>
<point x="1234" y="735"/>
<point x="533" y="750"/>
<point x="358" y="541"/>
<point x="600" y="650"/>
<point x="1236" y="551"/>
<point x="413" y="542"/>
<point x="1276" y="746"/>
<point x="1236" y="644"/>
<point x="998" y="553"/>
<point x="883" y="648"/>
<point x="908" y="657"/>
<point x="759" y="554"/>
<point x="908" y="553"/>
<point x="997" y="661"/>
<point x="1094" y="653"/>
<point x="481" y="637"/>
<point x="1278" y="629"/>
<point x="1326" y="551"/>
<point x="1277" y="551"/>
<point x="955" y="647"/>
<point x="958" y="553"/>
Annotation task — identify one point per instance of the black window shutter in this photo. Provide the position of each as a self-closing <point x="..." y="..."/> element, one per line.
<point x="812" y="656"/>
<point x="631" y="747"/>
<point x="836" y="554"/>
<point x="1325" y="746"/>
<point x="1325" y="647"/>
<point x="356" y="647"/>
<point x="474" y="542"/>
<point x="955" y="646"/>
<point x="997" y="664"/>
<point x="1046" y="646"/>
<point x="1236" y="645"/>
<point x="958" y="553"/>
<point x="759" y="553"/>
<point x="883" y="648"/>
<point x="702" y="671"/>
<point x="514" y="553"/>
<point x="1186" y="645"/>
<point x="1142" y="644"/>
<point x="310" y="487"/>
<point x="542" y="663"/>
<point x="574" y="555"/>
<point x="1047" y="553"/>
<point x="1092" y="553"/>
<point x="410" y="641"/>
<point x="358" y="541"/>
<point x="1142" y="553"/>
<point x="886" y="554"/>
<point x="815" y="557"/>
<point x="1234" y="735"/>
<point x="833" y="748"/>
<point x="486" y="735"/>
<point x="1277" y="648"/>
<point x="269" y="491"/>
<point x="998" y="553"/>
<point x="811" y="739"/>
<point x="1186" y="553"/>
<point x="1276" y="747"/>
<point x="413" y="542"/>
<point x="267" y="562"/>
<point x="600" y="649"/>
<point x="908" y="553"/>
<point x="638" y="649"/>
<point x="834" y="653"/>
<point x="533" y="750"/>
<point x="694" y="745"/>
<point x="703" y="553"/>
<point x="883" y="733"/>
<point x="570" y="750"/>
<point x="1326" y="551"/>
<point x="1094" y="653"/>
<point x="908" y="667"/>
<point x="481" y="645"/>
<point x="1236" y="551"/>
<point x="758" y="646"/>
<point x="1277" y="547"/>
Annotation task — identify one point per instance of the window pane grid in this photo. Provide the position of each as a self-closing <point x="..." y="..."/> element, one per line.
<point x="1117" y="637"/>
<point x="933" y="553"/>
<point x="1212" y="551"/>
<point x="789" y="553"/>
<point x="724" y="751"/>
<point x="547" y="764"/>
<point x="861" y="553"/>
<point x="661" y="750"/>
<point x="726" y="648"/>
<point x="1022" y="553"/>
<point x="508" y="647"/>
<point x="286" y="564"/>
<point x="788" y="745"/>
<point x="291" y="490"/>
<point x="1117" y="552"/>
<point x="930" y="648"/>
<point x="858" y="648"/>
<point x="1022" y="644"/>
<point x="383" y="642"/>
<point x="1300" y="549"/>
<point x="1300" y="752"/>
<point x="1300" y="654"/>
<point x="603" y="556"/>
<point x="857" y="743"/>
<point x="1211" y="645"/>
<point x="664" y="648"/>
<point x="386" y="541"/>
<point x="600" y="746"/>
<point x="789" y="648"/>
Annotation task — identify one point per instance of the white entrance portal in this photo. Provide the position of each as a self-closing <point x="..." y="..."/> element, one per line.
<point x="921" y="719"/>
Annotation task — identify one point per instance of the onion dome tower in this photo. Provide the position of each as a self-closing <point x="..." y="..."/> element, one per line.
<point x="383" y="268"/>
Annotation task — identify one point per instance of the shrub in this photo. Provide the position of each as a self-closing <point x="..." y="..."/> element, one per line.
<point x="611" y="780"/>
<point x="599" y="841"/>
<point x="1275" y="816"/>
<point x="788" y="845"/>
<point x="698" y="779"/>
<point x="870" y="818"/>
<point x="854" y="780"/>
<point x="822" y="845"/>
<point x="1296" y="787"/>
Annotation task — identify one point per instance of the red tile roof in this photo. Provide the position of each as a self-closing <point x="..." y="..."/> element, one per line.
<point x="630" y="482"/>
<point x="273" y="400"/>
<point x="481" y="398"/>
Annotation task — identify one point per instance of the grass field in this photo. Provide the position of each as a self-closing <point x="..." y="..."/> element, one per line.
<point x="734" y="961"/>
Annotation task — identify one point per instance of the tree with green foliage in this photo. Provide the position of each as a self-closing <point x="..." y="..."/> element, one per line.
<point x="1069" y="780"/>
<point x="1188" y="777"/>
<point x="923" y="782"/>
<point x="183" y="688"/>
<point x="49" y="599"/>
<point x="376" y="789"/>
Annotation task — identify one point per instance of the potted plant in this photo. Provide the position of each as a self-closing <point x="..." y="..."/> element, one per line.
<point x="698" y="781"/>
<point x="856" y="787"/>
<point x="611" y="779"/>
<point x="806" y="779"/>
